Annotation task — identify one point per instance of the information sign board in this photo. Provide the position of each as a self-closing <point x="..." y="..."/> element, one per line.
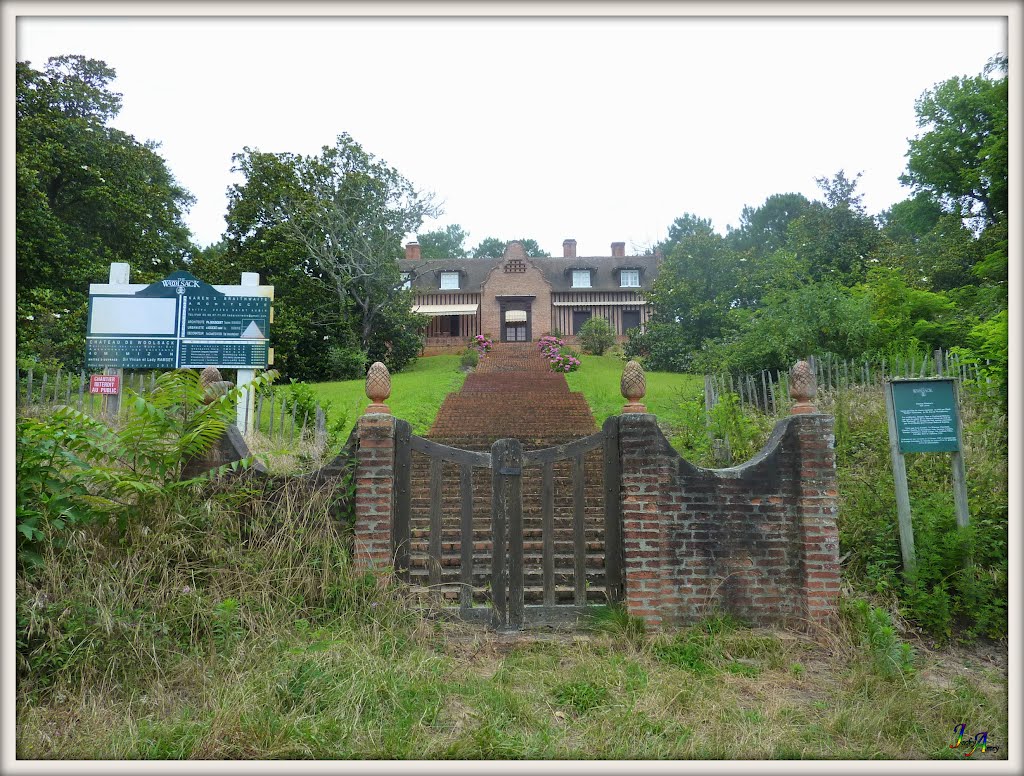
<point x="227" y="317"/>
<point x="223" y="354"/>
<point x="179" y="321"/>
<point x="131" y="353"/>
<point x="105" y="384"/>
<point x="926" y="416"/>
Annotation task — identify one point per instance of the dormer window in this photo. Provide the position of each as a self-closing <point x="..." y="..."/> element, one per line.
<point x="629" y="278"/>
<point x="581" y="278"/>
<point x="406" y="281"/>
<point x="449" y="281"/>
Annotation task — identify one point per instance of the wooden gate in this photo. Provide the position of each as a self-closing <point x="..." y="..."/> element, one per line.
<point x="449" y="520"/>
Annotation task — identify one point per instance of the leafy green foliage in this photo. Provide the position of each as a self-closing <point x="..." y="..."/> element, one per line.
<point x="344" y="363"/>
<point x="962" y="158"/>
<point x="75" y="470"/>
<point x="596" y="336"/>
<point x="836" y="239"/>
<point x="813" y="318"/>
<point x="87" y="195"/>
<point x="743" y="433"/>
<point x="890" y="657"/>
<point x="798" y="277"/>
<point x="763" y="230"/>
<point x="493" y="248"/>
<point x="326" y="231"/>
<point x="469" y="359"/>
<point x="447" y="243"/>
<point x="695" y="288"/>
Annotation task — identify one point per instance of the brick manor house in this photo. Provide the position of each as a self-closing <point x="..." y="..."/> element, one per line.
<point x="520" y="299"/>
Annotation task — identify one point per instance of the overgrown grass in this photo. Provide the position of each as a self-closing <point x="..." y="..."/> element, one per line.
<point x="416" y="393"/>
<point x="960" y="587"/>
<point x="232" y="625"/>
<point x="217" y="633"/>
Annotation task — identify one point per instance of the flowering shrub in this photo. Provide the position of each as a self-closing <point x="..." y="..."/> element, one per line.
<point x="550" y="346"/>
<point x="560" y="363"/>
<point x="551" y="349"/>
<point x="482" y="345"/>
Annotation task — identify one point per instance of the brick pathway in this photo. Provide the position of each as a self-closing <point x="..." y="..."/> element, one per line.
<point x="513" y="393"/>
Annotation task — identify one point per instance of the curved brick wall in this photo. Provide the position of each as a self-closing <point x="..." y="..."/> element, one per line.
<point x="757" y="541"/>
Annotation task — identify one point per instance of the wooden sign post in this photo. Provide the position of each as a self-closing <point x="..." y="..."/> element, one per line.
<point x="924" y="417"/>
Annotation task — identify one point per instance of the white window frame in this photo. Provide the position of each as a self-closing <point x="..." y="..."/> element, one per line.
<point x="632" y="274"/>
<point x="449" y="276"/>
<point x="578" y="274"/>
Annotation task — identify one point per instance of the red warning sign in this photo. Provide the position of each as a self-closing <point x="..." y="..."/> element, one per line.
<point x="109" y="384"/>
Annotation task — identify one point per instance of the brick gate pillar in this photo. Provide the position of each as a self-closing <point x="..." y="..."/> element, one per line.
<point x="375" y="487"/>
<point x="817" y="514"/>
<point x="645" y="523"/>
<point x="375" y="475"/>
<point x="818" y="494"/>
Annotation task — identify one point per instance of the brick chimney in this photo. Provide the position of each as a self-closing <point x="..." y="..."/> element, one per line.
<point x="618" y="250"/>
<point x="412" y="251"/>
<point x="569" y="249"/>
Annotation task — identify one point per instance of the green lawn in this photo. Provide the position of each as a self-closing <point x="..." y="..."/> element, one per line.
<point x="598" y="379"/>
<point x="416" y="393"/>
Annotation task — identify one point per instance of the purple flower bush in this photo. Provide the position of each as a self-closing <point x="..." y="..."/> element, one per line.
<point x="482" y="344"/>
<point x="550" y="346"/>
<point x="551" y="349"/>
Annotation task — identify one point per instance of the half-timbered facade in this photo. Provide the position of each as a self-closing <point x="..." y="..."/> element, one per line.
<point x="520" y="299"/>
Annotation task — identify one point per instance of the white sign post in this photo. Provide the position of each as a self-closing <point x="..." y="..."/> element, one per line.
<point x="120" y="272"/>
<point x="244" y="408"/>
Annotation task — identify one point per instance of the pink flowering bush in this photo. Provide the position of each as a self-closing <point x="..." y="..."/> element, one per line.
<point x="560" y="363"/>
<point x="550" y="346"/>
<point x="482" y="345"/>
<point x="551" y="349"/>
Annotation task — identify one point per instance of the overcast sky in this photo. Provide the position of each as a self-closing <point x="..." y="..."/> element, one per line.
<point x="598" y="130"/>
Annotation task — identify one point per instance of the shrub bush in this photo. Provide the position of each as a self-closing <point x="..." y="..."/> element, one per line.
<point x="73" y="469"/>
<point x="345" y="363"/>
<point x="470" y="358"/>
<point x="596" y="336"/>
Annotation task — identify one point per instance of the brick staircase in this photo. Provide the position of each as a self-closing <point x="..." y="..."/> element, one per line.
<point x="512" y="393"/>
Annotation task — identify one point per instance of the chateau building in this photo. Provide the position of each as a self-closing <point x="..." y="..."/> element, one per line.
<point x="520" y="299"/>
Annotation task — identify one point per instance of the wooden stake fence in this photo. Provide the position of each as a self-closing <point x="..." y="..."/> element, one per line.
<point x="768" y="391"/>
<point x="279" y="420"/>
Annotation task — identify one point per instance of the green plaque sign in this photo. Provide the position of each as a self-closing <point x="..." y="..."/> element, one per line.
<point x="179" y="321"/>
<point x="227" y="317"/>
<point x="229" y="355"/>
<point x="141" y="353"/>
<point x="926" y="416"/>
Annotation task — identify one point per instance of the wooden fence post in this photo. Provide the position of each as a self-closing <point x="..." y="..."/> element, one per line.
<point x="899" y="473"/>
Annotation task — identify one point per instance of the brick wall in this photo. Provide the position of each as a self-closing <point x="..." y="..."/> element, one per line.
<point x="375" y="480"/>
<point x="757" y="541"/>
<point x="499" y="283"/>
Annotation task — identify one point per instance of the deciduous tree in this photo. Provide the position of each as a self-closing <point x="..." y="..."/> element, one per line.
<point x="493" y="248"/>
<point x="961" y="158"/>
<point x="332" y="224"/>
<point x="447" y="243"/>
<point x="86" y="195"/>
